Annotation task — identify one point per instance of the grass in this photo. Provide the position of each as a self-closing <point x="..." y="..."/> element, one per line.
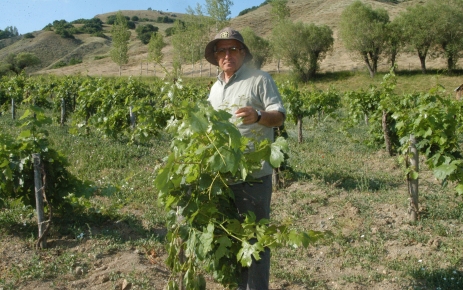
<point x="337" y="184"/>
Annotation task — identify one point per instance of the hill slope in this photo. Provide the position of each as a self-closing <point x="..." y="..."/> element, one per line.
<point x="94" y="51"/>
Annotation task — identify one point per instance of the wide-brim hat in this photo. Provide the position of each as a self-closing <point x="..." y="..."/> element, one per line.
<point x="227" y="33"/>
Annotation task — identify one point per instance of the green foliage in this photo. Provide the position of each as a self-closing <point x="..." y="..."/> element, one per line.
<point x="368" y="106"/>
<point x="155" y="46"/>
<point x="112" y="19"/>
<point x="16" y="163"/>
<point x="363" y="31"/>
<point x="247" y="10"/>
<point x="131" y="24"/>
<point x="419" y="23"/>
<point x="449" y="32"/>
<point x="18" y="62"/>
<point x="219" y="10"/>
<point x="74" y="61"/>
<point x="301" y="103"/>
<point x="10" y="31"/>
<point x="90" y="26"/>
<point x="97" y="57"/>
<point x="12" y="88"/>
<point x="431" y="118"/>
<point x="59" y="64"/>
<point x="280" y="11"/>
<point x="164" y="19"/>
<point x="62" y="63"/>
<point x="302" y="46"/>
<point x="64" y="28"/>
<point x="120" y="41"/>
<point x="144" y="32"/>
<point x="103" y="105"/>
<point x="259" y="47"/>
<point x="190" y="38"/>
<point x="207" y="154"/>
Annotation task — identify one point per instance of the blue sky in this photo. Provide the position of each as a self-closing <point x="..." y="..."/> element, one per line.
<point x="31" y="15"/>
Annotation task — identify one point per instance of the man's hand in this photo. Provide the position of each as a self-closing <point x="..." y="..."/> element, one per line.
<point x="248" y="115"/>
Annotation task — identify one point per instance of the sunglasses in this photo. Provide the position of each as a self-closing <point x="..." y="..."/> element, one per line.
<point x="231" y="50"/>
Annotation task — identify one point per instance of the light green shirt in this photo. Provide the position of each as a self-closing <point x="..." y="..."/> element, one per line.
<point x="248" y="87"/>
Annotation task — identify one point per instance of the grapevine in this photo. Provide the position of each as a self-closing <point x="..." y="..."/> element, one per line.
<point x="205" y="232"/>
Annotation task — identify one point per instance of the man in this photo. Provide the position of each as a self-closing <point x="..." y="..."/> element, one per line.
<point x="252" y="97"/>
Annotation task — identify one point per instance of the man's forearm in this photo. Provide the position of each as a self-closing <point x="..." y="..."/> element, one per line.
<point x="271" y="118"/>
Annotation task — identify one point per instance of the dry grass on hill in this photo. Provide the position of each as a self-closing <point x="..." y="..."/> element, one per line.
<point x="95" y="51"/>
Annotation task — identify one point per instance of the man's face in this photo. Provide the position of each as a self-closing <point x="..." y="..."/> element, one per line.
<point x="230" y="55"/>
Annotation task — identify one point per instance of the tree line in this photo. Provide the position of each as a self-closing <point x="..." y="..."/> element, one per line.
<point x="433" y="29"/>
<point x="10" y="31"/>
<point x="430" y="30"/>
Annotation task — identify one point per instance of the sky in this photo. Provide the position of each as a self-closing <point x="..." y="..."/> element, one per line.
<point x="32" y="15"/>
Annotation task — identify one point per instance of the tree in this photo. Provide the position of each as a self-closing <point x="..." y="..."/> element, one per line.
<point x="190" y="37"/>
<point x="19" y="62"/>
<point x="395" y="41"/>
<point x="302" y="46"/>
<point x="420" y="24"/>
<point x="120" y="41"/>
<point x="144" y="32"/>
<point x="259" y="47"/>
<point x="219" y="10"/>
<point x="155" y="47"/>
<point x="280" y="11"/>
<point x="10" y="31"/>
<point x="363" y="31"/>
<point x="449" y="31"/>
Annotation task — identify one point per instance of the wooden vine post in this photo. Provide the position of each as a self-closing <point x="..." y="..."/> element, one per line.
<point x="39" y="201"/>
<point x="299" y="128"/>
<point x="386" y="133"/>
<point x="63" y="111"/>
<point x="13" y="109"/>
<point x="412" y="179"/>
<point x="132" y="117"/>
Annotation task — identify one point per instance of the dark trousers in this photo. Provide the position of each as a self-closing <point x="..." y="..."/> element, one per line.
<point x="255" y="197"/>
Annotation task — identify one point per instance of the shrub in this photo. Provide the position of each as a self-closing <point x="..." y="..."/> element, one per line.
<point x="165" y="19"/>
<point x="99" y="34"/>
<point x="144" y="32"/>
<point x="59" y="64"/>
<point x="29" y="35"/>
<point x="135" y="18"/>
<point x="130" y="25"/>
<point x="48" y="27"/>
<point x="170" y="31"/>
<point x="74" y="61"/>
<point x="111" y="19"/>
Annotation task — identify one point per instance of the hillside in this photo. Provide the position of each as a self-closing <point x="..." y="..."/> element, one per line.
<point x="94" y="51"/>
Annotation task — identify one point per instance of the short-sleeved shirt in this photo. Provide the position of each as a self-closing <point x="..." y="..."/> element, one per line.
<point x="248" y="87"/>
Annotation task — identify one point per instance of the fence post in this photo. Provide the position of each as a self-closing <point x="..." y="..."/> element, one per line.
<point x="413" y="180"/>
<point x="39" y="200"/>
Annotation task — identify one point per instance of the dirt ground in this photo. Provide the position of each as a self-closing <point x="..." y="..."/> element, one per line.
<point x="98" y="269"/>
